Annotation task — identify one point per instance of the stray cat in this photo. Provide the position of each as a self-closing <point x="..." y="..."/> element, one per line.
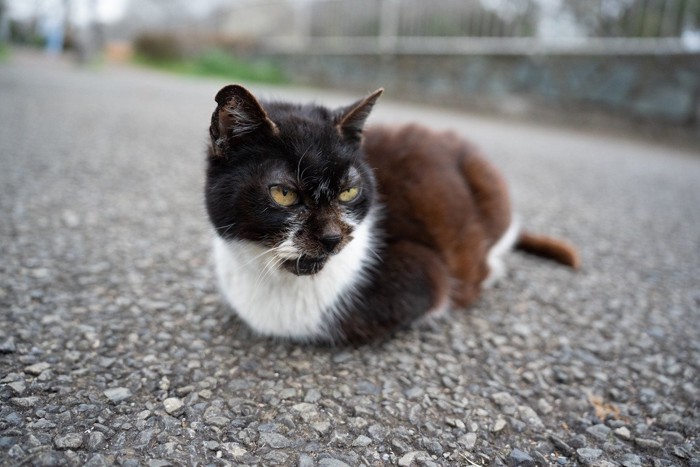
<point x="330" y="232"/>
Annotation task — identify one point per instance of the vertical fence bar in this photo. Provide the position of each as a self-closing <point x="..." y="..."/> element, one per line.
<point x="644" y="15"/>
<point x="303" y="24"/>
<point x="678" y="19"/>
<point x="685" y="17"/>
<point x="388" y="26"/>
<point x="661" y="14"/>
<point x="669" y="19"/>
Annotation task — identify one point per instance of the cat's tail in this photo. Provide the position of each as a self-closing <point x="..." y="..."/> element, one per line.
<point x="550" y="248"/>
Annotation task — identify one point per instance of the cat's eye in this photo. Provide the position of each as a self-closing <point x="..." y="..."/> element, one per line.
<point x="349" y="194"/>
<point x="283" y="195"/>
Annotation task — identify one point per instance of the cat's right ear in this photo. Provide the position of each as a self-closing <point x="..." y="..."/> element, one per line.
<point x="238" y="114"/>
<point x="350" y="120"/>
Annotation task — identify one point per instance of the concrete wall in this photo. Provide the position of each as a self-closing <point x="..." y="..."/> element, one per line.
<point x="659" y="91"/>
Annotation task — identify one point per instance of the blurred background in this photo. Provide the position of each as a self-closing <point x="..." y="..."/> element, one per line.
<point x="632" y="62"/>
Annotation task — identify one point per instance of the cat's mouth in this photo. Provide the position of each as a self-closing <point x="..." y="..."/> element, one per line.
<point x="305" y="265"/>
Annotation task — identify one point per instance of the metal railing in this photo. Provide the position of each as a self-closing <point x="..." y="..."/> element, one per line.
<point x="483" y="26"/>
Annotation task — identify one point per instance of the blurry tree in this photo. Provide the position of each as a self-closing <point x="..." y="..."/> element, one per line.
<point x="345" y="18"/>
<point x="635" y="18"/>
<point x="474" y="18"/>
<point x="4" y="22"/>
<point x="446" y="18"/>
<point x="180" y="17"/>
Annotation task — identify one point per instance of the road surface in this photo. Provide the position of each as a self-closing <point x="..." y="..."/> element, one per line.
<point x="115" y="347"/>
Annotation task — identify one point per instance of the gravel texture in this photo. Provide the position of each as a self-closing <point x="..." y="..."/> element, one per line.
<point x="115" y="347"/>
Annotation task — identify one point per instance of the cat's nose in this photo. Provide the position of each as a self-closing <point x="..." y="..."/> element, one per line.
<point x="329" y="242"/>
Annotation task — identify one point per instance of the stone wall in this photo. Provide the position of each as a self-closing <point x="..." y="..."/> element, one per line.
<point x="659" y="91"/>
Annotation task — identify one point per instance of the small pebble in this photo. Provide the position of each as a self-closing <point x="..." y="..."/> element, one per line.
<point x="414" y="456"/>
<point x="275" y="440"/>
<point x="505" y="401"/>
<point x="184" y="390"/>
<point x="377" y="432"/>
<point x="234" y="449"/>
<point x="588" y="456"/>
<point x="498" y="425"/>
<point x="467" y="441"/>
<point x="95" y="441"/>
<point x="305" y="461"/>
<point x="173" y="405"/>
<point x="561" y="445"/>
<point x="414" y="393"/>
<point x="117" y="394"/>
<point x="330" y="462"/>
<point x="623" y="433"/>
<point x="323" y="427"/>
<point x="599" y="431"/>
<point x="672" y="437"/>
<point x="362" y="441"/>
<point x="68" y="441"/>
<point x="287" y="393"/>
<point x="30" y="401"/>
<point x="16" y="451"/>
<point x="647" y="443"/>
<point x="8" y="345"/>
<point x="306" y="411"/>
<point x="312" y="396"/>
<point x="631" y="460"/>
<point x="18" y="387"/>
<point x="530" y="417"/>
<point x="520" y="458"/>
<point x="578" y="441"/>
<point x="37" y="368"/>
<point x="211" y="445"/>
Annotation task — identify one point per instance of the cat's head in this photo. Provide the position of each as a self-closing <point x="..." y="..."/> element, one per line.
<point x="291" y="178"/>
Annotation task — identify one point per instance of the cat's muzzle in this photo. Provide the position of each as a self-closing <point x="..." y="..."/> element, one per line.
<point x="305" y="265"/>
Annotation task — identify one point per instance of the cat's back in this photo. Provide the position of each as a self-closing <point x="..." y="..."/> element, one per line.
<point x="415" y="153"/>
<point x="439" y="192"/>
<point x="437" y="175"/>
<point x="413" y="140"/>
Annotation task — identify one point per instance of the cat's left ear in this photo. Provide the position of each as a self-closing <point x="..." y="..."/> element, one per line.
<point x="237" y="114"/>
<point x="350" y="120"/>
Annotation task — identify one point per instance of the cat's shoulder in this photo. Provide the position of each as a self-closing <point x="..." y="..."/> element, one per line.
<point x="379" y="132"/>
<point x="413" y="134"/>
<point x="417" y="141"/>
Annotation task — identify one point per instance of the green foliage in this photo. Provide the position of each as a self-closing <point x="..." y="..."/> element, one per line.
<point x="25" y="34"/>
<point x="218" y="63"/>
<point x="189" y="55"/>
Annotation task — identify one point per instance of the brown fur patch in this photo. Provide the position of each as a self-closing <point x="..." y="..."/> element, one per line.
<point x="547" y="247"/>
<point x="440" y="193"/>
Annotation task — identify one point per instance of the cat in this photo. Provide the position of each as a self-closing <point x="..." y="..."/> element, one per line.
<point x="330" y="232"/>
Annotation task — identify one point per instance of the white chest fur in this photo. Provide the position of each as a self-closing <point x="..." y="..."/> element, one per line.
<point x="275" y="302"/>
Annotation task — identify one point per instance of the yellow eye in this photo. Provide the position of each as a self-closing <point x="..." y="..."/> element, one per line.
<point x="283" y="196"/>
<point x="349" y="194"/>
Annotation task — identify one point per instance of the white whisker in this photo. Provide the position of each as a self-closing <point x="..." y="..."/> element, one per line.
<point x="227" y="227"/>
<point x="266" y="271"/>
<point x="268" y="251"/>
<point x="301" y="174"/>
<point x="374" y="253"/>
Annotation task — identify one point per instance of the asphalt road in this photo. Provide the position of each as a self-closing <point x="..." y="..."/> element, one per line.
<point x="115" y="347"/>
